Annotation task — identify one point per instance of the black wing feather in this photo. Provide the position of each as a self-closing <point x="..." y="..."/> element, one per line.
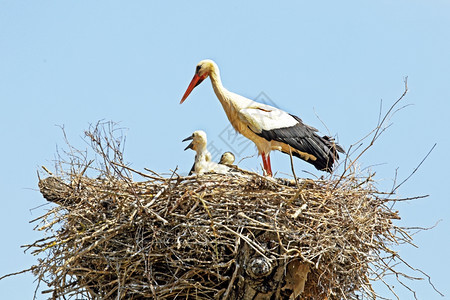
<point x="305" y="139"/>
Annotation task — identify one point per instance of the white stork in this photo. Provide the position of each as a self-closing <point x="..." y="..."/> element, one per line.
<point x="203" y="163"/>
<point x="227" y="159"/>
<point x="268" y="127"/>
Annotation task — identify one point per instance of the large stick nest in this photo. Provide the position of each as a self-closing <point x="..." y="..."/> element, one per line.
<point x="236" y="236"/>
<point x="191" y="236"/>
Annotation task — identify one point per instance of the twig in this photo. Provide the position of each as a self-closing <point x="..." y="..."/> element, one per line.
<point x="377" y="131"/>
<point x="292" y="166"/>
<point x="415" y="169"/>
<point x="17" y="273"/>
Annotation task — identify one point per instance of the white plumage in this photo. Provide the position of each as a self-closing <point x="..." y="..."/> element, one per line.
<point x="268" y="127"/>
<point x="227" y="159"/>
<point x="203" y="163"/>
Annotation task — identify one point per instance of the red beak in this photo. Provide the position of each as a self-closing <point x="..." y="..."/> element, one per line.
<point x="194" y="82"/>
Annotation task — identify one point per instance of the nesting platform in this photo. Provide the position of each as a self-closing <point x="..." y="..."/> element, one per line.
<point x="214" y="237"/>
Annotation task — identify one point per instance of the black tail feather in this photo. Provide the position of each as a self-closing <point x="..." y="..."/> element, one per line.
<point x="323" y="148"/>
<point x="304" y="138"/>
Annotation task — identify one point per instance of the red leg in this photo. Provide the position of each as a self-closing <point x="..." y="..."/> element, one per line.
<point x="266" y="163"/>
<point x="269" y="167"/>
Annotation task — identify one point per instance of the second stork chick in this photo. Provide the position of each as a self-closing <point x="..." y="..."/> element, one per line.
<point x="227" y="159"/>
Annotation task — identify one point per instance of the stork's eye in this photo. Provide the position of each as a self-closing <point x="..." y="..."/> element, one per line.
<point x="198" y="68"/>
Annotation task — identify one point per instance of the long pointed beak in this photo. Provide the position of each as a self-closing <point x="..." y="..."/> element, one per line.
<point x="191" y="145"/>
<point x="194" y="82"/>
<point x="188" y="138"/>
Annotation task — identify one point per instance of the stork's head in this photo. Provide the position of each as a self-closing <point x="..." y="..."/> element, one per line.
<point x="203" y="69"/>
<point x="227" y="158"/>
<point x="198" y="140"/>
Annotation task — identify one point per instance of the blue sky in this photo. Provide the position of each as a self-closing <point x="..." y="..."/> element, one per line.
<point x="73" y="63"/>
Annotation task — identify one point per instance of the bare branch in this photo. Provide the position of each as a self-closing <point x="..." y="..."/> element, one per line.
<point x="414" y="171"/>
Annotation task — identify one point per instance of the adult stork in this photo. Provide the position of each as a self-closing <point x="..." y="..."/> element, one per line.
<point x="268" y="127"/>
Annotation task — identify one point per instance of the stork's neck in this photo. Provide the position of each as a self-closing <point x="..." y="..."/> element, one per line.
<point x="231" y="102"/>
<point x="202" y="153"/>
<point x="200" y="147"/>
<point x="218" y="87"/>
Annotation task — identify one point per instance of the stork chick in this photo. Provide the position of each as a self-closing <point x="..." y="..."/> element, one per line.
<point x="227" y="159"/>
<point x="203" y="163"/>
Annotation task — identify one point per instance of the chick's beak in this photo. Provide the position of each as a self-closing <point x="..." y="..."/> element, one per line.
<point x="191" y="145"/>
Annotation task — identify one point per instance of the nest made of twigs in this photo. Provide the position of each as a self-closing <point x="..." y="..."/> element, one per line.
<point x="231" y="236"/>
<point x="214" y="236"/>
